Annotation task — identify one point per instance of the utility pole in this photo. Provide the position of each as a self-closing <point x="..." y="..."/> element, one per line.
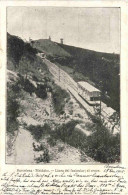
<point x="100" y="96"/>
<point x="59" y="74"/>
<point x="100" y="104"/>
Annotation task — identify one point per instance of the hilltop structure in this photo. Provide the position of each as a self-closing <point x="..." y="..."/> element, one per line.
<point x="31" y="41"/>
<point x="61" y="41"/>
<point x="49" y="38"/>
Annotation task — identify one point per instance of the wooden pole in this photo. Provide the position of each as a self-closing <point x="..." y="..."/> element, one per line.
<point x="59" y="73"/>
<point x="100" y="104"/>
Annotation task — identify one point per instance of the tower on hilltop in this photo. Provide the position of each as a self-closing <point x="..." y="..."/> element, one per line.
<point x="49" y="38"/>
<point x="31" y="41"/>
<point x="61" y="41"/>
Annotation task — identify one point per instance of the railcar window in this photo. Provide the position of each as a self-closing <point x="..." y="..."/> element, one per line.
<point x="94" y="98"/>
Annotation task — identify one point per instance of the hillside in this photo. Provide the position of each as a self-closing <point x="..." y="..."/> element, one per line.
<point x="50" y="48"/>
<point x="45" y="121"/>
<point x="100" y="69"/>
<point x="35" y="105"/>
<point x="17" y="49"/>
<point x="86" y="53"/>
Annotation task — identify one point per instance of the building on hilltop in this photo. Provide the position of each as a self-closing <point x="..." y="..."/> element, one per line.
<point x="31" y="41"/>
<point x="61" y="41"/>
<point x="49" y="38"/>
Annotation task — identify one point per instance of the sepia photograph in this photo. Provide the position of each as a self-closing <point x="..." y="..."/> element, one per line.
<point x="63" y="86"/>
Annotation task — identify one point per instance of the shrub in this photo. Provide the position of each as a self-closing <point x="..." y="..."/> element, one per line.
<point x="103" y="146"/>
<point x="51" y="141"/>
<point x="71" y="112"/>
<point x="26" y="84"/>
<point x="38" y="131"/>
<point x="38" y="147"/>
<point x="67" y="133"/>
<point x="44" y="158"/>
<point x="35" y="78"/>
<point x="59" y="95"/>
<point x="13" y="107"/>
<point x="60" y="148"/>
<point x="12" y="125"/>
<point x="41" y="91"/>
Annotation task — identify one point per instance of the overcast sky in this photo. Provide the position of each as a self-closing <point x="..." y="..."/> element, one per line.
<point x="91" y="28"/>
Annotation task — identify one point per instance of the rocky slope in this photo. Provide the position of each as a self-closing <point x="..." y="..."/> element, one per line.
<point x="38" y="112"/>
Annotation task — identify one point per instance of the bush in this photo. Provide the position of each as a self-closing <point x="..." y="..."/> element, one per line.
<point x="13" y="107"/>
<point x="60" y="148"/>
<point x="26" y="84"/>
<point x="71" y="112"/>
<point x="12" y="125"/>
<point x="38" y="147"/>
<point x="51" y="141"/>
<point x="41" y="91"/>
<point x="38" y="131"/>
<point x="35" y="78"/>
<point x="101" y="145"/>
<point x="59" y="95"/>
<point x="67" y="133"/>
<point x="44" y="158"/>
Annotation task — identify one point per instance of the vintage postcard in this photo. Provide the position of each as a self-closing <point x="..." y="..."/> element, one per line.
<point x="63" y="98"/>
<point x="63" y="85"/>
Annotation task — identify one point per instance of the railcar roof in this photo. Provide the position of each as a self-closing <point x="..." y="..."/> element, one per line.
<point x="87" y="86"/>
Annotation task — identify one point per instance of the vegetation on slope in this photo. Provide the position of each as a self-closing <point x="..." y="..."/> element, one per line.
<point x="13" y="107"/>
<point x="39" y="131"/>
<point x="22" y="59"/>
<point x="100" y="145"/>
<point x="60" y="96"/>
<point x="101" y="68"/>
<point x="17" y="49"/>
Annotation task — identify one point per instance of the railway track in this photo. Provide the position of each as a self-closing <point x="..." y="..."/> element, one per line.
<point x="61" y="76"/>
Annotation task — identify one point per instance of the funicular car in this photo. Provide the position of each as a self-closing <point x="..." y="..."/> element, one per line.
<point x="89" y="93"/>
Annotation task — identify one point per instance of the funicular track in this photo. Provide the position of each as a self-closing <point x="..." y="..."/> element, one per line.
<point x="61" y="76"/>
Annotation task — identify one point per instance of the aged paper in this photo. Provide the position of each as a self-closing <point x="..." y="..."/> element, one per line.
<point x="63" y="97"/>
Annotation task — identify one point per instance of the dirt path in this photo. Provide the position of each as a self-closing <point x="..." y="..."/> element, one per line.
<point x="25" y="155"/>
<point x="23" y="148"/>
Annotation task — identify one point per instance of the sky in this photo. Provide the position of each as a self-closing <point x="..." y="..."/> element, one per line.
<point x="90" y="28"/>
